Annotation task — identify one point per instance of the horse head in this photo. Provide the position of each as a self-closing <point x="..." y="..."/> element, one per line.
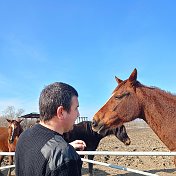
<point x="123" y="105"/>
<point x="122" y="135"/>
<point x="14" y="129"/>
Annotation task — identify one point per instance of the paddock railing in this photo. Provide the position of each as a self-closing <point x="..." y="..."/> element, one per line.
<point x="109" y="153"/>
<point x="81" y="119"/>
<point x="126" y="153"/>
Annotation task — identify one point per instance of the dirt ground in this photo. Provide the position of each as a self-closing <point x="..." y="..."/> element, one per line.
<point x="142" y="139"/>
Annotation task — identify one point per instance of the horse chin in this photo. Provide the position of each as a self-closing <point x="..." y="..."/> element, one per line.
<point x="102" y="130"/>
<point x="98" y="128"/>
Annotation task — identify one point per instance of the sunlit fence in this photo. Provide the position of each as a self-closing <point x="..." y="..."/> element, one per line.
<point x="81" y="119"/>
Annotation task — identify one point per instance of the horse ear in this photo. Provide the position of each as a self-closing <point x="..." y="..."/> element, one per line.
<point x="8" y="120"/>
<point x="118" y="80"/>
<point x="133" y="76"/>
<point x="19" y="120"/>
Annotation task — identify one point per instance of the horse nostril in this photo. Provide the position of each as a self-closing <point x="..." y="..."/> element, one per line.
<point x="128" y="142"/>
<point x="94" y="123"/>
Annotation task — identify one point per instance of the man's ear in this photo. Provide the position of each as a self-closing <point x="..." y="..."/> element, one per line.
<point x="60" y="112"/>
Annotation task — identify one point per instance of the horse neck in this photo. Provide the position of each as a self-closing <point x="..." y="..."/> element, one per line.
<point x="159" y="113"/>
<point x="109" y="132"/>
<point x="12" y="146"/>
<point x="3" y="135"/>
<point x="20" y="130"/>
<point x="3" y="130"/>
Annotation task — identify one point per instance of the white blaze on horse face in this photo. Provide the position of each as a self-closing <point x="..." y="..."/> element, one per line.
<point x="13" y="128"/>
<point x="110" y="97"/>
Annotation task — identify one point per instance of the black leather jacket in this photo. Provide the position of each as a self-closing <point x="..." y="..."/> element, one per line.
<point x="43" y="152"/>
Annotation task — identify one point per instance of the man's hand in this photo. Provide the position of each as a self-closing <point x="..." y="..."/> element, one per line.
<point x="78" y="144"/>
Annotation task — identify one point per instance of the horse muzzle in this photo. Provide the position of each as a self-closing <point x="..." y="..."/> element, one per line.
<point x="10" y="141"/>
<point x="127" y="142"/>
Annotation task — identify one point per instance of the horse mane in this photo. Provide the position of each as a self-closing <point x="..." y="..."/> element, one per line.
<point x="163" y="101"/>
<point x="155" y="91"/>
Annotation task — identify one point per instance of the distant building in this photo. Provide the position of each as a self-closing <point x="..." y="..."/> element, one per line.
<point x="34" y="115"/>
<point x="81" y="119"/>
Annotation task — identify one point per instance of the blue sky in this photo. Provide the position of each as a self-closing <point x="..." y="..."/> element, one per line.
<point x="85" y="44"/>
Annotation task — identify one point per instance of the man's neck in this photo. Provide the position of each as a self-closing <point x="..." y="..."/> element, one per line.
<point x="53" y="125"/>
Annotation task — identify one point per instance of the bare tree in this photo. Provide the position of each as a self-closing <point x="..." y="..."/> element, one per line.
<point x="11" y="113"/>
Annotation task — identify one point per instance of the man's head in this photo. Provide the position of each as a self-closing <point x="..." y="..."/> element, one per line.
<point x="53" y="96"/>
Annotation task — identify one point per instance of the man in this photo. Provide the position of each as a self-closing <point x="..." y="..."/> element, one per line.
<point x="41" y="150"/>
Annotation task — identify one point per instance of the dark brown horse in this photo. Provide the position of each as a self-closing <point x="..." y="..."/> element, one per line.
<point x="8" y="139"/>
<point x="83" y="131"/>
<point x="131" y="100"/>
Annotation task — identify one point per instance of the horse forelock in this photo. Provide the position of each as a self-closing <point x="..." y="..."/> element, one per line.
<point x="133" y="84"/>
<point x="119" y="86"/>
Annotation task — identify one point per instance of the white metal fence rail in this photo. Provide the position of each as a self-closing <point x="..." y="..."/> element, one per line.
<point x="126" y="153"/>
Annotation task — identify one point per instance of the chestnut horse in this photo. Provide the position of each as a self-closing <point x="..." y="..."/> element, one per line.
<point x="8" y="139"/>
<point x="131" y="100"/>
<point x="83" y="131"/>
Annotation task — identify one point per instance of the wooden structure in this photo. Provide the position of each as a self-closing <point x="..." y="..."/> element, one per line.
<point x="31" y="116"/>
<point x="30" y="119"/>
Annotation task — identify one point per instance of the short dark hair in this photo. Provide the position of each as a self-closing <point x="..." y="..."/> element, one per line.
<point x="53" y="96"/>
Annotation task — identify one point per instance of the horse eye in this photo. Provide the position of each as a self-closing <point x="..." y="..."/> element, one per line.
<point x="118" y="96"/>
<point x="122" y="95"/>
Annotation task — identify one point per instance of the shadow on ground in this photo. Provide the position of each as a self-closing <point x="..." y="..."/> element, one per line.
<point x="5" y="172"/>
<point x="104" y="173"/>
